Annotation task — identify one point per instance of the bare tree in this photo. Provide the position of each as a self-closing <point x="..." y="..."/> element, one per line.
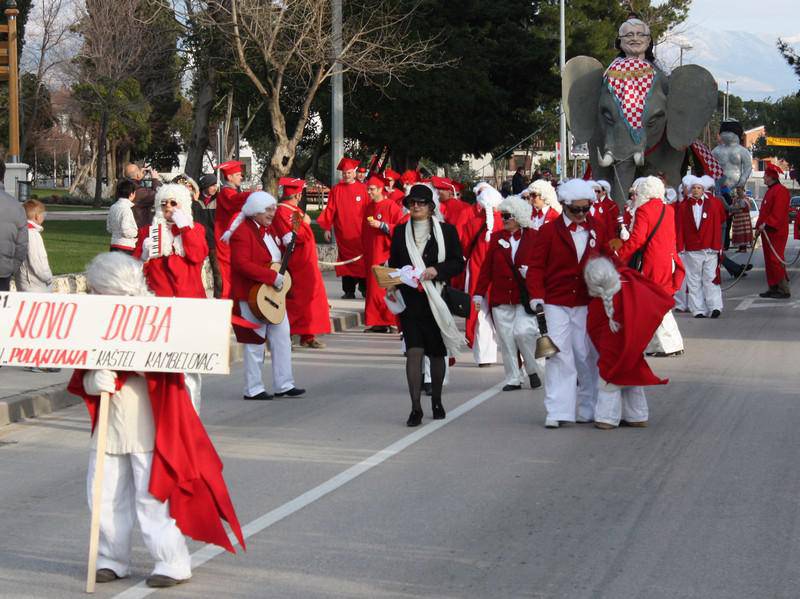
<point x="285" y="48"/>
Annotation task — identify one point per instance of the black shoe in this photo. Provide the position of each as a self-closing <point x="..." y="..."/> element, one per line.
<point x="377" y="329"/>
<point x="485" y="365"/>
<point x="415" y="418"/>
<point x="105" y="575"/>
<point x="699" y="315"/>
<point x="748" y="267"/>
<point x="512" y="387"/>
<point x="293" y="392"/>
<point x="661" y="354"/>
<point x="438" y="411"/>
<point x="535" y="381"/>
<point x="159" y="581"/>
<point x="715" y="314"/>
<point x="773" y="294"/>
<point x="427" y="388"/>
<point x="349" y="295"/>
<point x="261" y="396"/>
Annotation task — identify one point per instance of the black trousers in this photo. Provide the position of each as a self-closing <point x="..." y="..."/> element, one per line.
<point x="5" y="283"/>
<point x="349" y="285"/>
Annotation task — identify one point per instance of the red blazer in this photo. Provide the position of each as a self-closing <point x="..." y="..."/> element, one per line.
<point x="774" y="210"/>
<point x="709" y="235"/>
<point x="554" y="273"/>
<point x="177" y="276"/>
<point x="251" y="260"/>
<point x="549" y="216"/>
<point x="496" y="276"/>
<point x="606" y="213"/>
<point x="659" y="255"/>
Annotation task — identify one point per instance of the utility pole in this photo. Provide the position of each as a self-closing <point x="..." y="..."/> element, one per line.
<point x="337" y="94"/>
<point x="562" y="159"/>
<point x="726" y="107"/>
<point x="11" y="72"/>
<point x="684" y="46"/>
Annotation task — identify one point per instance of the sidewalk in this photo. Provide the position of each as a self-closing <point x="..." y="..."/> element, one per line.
<point x="28" y="395"/>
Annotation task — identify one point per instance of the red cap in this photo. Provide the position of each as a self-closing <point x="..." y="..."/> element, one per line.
<point x="409" y="177"/>
<point x="231" y="167"/>
<point x="773" y="169"/>
<point x="458" y="186"/>
<point x="443" y="183"/>
<point x="390" y="174"/>
<point x="347" y="164"/>
<point x="362" y="169"/>
<point x="291" y="186"/>
<point x="376" y="181"/>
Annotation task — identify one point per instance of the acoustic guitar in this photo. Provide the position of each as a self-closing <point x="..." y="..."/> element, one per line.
<point x="266" y="302"/>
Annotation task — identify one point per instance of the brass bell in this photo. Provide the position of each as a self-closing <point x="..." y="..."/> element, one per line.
<point x="545" y="348"/>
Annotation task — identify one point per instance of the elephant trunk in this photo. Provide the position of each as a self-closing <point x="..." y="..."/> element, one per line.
<point x="605" y="160"/>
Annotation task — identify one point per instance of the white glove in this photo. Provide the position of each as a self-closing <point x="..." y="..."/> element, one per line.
<point x="96" y="382"/>
<point x="535" y="302"/>
<point x="278" y="284"/>
<point x="180" y="219"/>
<point x="477" y="300"/>
<point x="287" y="239"/>
<point x="147" y="244"/>
<point x="523" y="270"/>
<point x="623" y="233"/>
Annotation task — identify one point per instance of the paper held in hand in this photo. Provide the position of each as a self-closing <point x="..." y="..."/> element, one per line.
<point x="92" y="332"/>
<point x="388" y="277"/>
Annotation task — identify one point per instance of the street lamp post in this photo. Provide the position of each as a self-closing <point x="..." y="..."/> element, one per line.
<point x="684" y="47"/>
<point x="726" y="107"/>
<point x="337" y="94"/>
<point x="562" y="158"/>
<point x="12" y="70"/>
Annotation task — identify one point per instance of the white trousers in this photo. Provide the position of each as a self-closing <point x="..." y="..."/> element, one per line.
<point x="517" y="331"/>
<point x="620" y="403"/>
<point x="681" y="301"/>
<point x="484" y="347"/>
<point x="280" y="345"/>
<point x="426" y="363"/>
<point x="194" y="385"/>
<point x="571" y="376"/>
<point x="667" y="338"/>
<point x="126" y="479"/>
<point x="701" y="269"/>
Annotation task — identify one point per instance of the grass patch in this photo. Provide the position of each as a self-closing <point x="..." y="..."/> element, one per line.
<point x="71" y="244"/>
<point x="46" y="192"/>
<point x="65" y="208"/>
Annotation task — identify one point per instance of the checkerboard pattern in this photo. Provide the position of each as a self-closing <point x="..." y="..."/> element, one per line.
<point x="711" y="165"/>
<point x="630" y="80"/>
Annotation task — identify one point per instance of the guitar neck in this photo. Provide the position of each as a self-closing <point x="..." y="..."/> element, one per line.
<point x="286" y="255"/>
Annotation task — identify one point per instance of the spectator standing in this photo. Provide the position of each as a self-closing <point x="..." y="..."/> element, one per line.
<point x="147" y="181"/>
<point x="13" y="233"/>
<point x="204" y="210"/>
<point x="518" y="183"/>
<point x="34" y="274"/>
<point x="121" y="222"/>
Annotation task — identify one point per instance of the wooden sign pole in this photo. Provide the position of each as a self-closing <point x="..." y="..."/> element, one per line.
<point x="101" y="431"/>
<point x="13" y="84"/>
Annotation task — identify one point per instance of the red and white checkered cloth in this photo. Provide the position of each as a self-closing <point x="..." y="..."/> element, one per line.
<point x="711" y="165"/>
<point x="630" y="81"/>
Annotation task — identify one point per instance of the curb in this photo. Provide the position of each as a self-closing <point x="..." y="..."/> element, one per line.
<point x="38" y="402"/>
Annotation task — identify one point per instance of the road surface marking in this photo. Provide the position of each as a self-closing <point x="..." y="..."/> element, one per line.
<point x="209" y="552"/>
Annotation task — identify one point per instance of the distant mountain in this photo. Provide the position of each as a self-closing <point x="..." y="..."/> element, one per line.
<point x="751" y="60"/>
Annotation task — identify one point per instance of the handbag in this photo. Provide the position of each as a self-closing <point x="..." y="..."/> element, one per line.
<point x="637" y="259"/>
<point x="458" y="302"/>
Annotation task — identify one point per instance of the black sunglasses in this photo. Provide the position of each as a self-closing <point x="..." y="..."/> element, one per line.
<point x="507" y="216"/>
<point x="579" y="209"/>
<point x="172" y="203"/>
<point x="414" y="202"/>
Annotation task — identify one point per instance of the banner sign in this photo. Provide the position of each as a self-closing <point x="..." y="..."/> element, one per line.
<point x="793" y="142"/>
<point x="93" y="332"/>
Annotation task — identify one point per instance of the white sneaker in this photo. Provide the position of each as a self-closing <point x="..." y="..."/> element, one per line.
<point x="580" y="420"/>
<point x="550" y="423"/>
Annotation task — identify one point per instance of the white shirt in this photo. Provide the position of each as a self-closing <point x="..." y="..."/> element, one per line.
<point x="538" y="221"/>
<point x="514" y="244"/>
<point x="580" y="237"/>
<point x="697" y="212"/>
<point x="121" y="224"/>
<point x="273" y="248"/>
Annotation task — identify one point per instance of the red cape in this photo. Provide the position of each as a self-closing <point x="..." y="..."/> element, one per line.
<point x="639" y="307"/>
<point x="186" y="469"/>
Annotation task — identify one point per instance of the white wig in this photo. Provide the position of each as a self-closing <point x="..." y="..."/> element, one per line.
<point x="574" y="190"/>
<point x="602" y="280"/>
<point x="707" y="182"/>
<point x="547" y="192"/>
<point x="605" y="185"/>
<point x="634" y="22"/>
<point x="256" y="203"/>
<point x="116" y="273"/>
<point x="490" y="199"/>
<point x="519" y="209"/>
<point x="690" y="180"/>
<point x="648" y="188"/>
<point x="173" y="191"/>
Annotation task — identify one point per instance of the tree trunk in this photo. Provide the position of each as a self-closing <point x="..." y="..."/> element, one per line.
<point x="202" y="112"/>
<point x="279" y="166"/>
<point x="101" y="155"/>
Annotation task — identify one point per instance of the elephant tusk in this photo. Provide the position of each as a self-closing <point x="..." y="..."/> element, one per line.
<point x="605" y="160"/>
<point x="638" y="159"/>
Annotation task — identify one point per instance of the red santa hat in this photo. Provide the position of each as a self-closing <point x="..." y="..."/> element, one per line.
<point x="376" y="181"/>
<point x="347" y="164"/>
<point x="574" y="190"/>
<point x="390" y="174"/>
<point x="231" y="167"/>
<point x="773" y="170"/>
<point x="256" y="203"/>
<point x="291" y="186"/>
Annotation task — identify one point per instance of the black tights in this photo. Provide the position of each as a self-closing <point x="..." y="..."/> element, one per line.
<point x="415" y="373"/>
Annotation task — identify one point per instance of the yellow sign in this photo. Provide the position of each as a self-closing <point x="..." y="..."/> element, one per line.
<point x="784" y="141"/>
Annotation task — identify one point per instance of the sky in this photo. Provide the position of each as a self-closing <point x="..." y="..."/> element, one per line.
<point x="778" y="17"/>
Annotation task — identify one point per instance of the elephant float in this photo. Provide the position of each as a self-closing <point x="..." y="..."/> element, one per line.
<point x="636" y="120"/>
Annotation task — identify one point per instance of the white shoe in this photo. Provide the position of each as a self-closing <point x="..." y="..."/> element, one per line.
<point x="580" y="420"/>
<point x="550" y="423"/>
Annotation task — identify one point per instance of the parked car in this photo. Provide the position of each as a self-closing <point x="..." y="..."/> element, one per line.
<point x="794" y="206"/>
<point x="753" y="211"/>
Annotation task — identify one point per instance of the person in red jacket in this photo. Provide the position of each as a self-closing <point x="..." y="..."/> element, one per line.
<point x="307" y="300"/>
<point x="623" y="315"/>
<point x="344" y="215"/>
<point x="544" y="203"/>
<point x="604" y="210"/>
<point x="229" y="201"/>
<point x="380" y="218"/>
<point x="700" y="241"/>
<point x="450" y="207"/>
<point x="391" y="179"/>
<point x="773" y="225"/>
<point x="504" y="271"/>
<point x="555" y="279"/>
<point x="255" y="246"/>
<point x="653" y="234"/>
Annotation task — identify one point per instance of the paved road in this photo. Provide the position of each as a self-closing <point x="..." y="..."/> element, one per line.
<point x="703" y="504"/>
<point x="78" y="215"/>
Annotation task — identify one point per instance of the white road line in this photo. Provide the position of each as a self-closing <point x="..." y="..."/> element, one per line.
<point x="209" y="552"/>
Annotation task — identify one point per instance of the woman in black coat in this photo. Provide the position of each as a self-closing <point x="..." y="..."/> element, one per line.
<point x="423" y="318"/>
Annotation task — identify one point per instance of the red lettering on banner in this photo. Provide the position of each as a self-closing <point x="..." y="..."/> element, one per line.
<point x="43" y="319"/>
<point x="138" y="323"/>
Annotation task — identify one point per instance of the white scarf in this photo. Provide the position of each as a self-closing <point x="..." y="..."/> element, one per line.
<point x="453" y="339"/>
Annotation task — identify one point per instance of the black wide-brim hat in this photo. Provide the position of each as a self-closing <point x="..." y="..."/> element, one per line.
<point x="419" y="192"/>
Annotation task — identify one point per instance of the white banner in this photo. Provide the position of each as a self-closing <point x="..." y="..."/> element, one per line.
<point x="145" y="334"/>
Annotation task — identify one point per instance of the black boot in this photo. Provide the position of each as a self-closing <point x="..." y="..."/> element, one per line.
<point x="535" y="382"/>
<point x="415" y="418"/>
<point x="438" y="409"/>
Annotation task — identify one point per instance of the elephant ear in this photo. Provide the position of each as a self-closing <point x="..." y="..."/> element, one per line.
<point x="691" y="101"/>
<point x="580" y="89"/>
